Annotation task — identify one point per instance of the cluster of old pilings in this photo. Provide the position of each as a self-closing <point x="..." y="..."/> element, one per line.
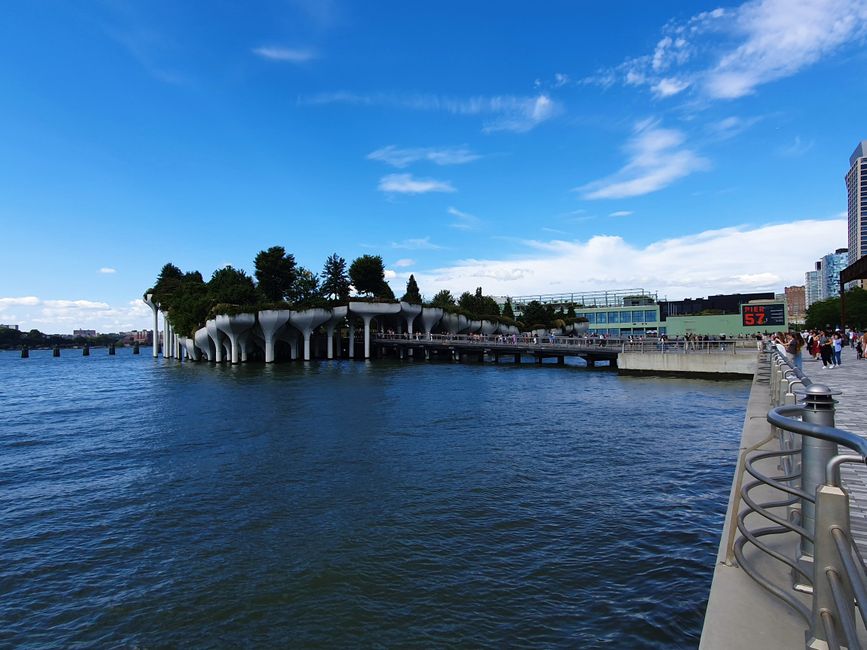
<point x="239" y="337"/>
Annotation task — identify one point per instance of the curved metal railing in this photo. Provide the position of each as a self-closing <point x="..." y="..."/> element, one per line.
<point x="807" y="502"/>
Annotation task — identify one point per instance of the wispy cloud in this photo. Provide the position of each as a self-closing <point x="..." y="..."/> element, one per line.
<point x="404" y="262"/>
<point x="286" y="54"/>
<point x="690" y="266"/>
<point x="408" y="184"/>
<point x="107" y="269"/>
<point x="620" y="213"/>
<point x="463" y="220"/>
<point x="797" y="147"/>
<point x="729" y="53"/>
<point x="423" y="243"/>
<point x="505" y="112"/>
<point x="656" y="159"/>
<point x="397" y="157"/>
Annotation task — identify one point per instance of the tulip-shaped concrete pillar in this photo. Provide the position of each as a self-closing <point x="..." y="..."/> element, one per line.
<point x="351" y="339"/>
<point x="474" y="326"/>
<point x="338" y="314"/>
<point x="455" y="323"/>
<point x="193" y="353"/>
<point x="487" y="328"/>
<point x="217" y="337"/>
<point x="204" y="343"/>
<point x="430" y="316"/>
<point x="271" y="321"/>
<point x="244" y="344"/>
<point x="306" y="321"/>
<point x="368" y="311"/>
<point x="233" y="327"/>
<point x="409" y="313"/>
<point x="148" y="300"/>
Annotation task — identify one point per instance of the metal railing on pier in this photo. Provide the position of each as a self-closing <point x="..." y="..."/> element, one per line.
<point x="808" y="509"/>
<point x="553" y="342"/>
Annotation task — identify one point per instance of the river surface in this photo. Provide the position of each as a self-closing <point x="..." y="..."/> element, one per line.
<point x="147" y="503"/>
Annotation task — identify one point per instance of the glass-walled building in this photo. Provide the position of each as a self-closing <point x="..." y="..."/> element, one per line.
<point x="623" y="321"/>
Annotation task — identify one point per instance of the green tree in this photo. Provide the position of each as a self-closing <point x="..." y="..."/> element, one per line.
<point x="826" y="313"/>
<point x="443" y="299"/>
<point x="275" y="273"/>
<point x="190" y="304"/>
<point x="507" y="309"/>
<point x="570" y="312"/>
<point x="305" y="289"/>
<point x="168" y="281"/>
<point x="537" y="314"/>
<point x="232" y="286"/>
<point x="412" y="294"/>
<point x="367" y="274"/>
<point x="335" y="280"/>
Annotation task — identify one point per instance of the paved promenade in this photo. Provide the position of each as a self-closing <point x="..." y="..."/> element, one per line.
<point x="851" y="379"/>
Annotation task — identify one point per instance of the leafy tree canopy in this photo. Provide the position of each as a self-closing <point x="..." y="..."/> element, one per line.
<point x="232" y="286"/>
<point x="367" y="274"/>
<point x="305" y="289"/>
<point x="275" y="273"/>
<point x="335" y="280"/>
<point x="507" y="309"/>
<point x="478" y="305"/>
<point x="826" y="313"/>
<point x="443" y="299"/>
<point x="535" y="313"/>
<point x="412" y="294"/>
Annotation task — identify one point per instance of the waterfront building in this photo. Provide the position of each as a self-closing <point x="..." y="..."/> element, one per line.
<point x="84" y="333"/>
<point x="796" y="303"/>
<point x="856" y="192"/>
<point x="811" y="286"/>
<point x="829" y="268"/>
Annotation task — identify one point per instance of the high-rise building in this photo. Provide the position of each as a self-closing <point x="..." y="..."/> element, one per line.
<point x="856" y="190"/>
<point x="811" y="284"/>
<point x="829" y="277"/>
<point x="796" y="303"/>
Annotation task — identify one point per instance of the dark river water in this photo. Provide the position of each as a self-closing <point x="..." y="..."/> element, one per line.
<point x="147" y="503"/>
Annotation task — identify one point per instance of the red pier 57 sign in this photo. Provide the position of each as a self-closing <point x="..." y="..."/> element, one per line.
<point x="766" y="315"/>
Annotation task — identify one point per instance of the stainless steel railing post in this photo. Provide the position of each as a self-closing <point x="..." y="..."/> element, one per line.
<point x="815" y="454"/>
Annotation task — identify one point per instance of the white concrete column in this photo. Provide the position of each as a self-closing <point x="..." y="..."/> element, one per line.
<point x="351" y="339"/>
<point x="148" y="300"/>
<point x="233" y="327"/>
<point x="367" y="311"/>
<point x="272" y="321"/>
<point x="430" y="316"/>
<point x="306" y="321"/>
<point x="217" y="337"/>
<point x="338" y="314"/>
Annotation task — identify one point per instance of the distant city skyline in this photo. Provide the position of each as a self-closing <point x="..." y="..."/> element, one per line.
<point x="689" y="149"/>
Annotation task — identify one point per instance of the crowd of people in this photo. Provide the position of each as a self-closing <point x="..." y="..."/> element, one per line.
<point x="824" y="345"/>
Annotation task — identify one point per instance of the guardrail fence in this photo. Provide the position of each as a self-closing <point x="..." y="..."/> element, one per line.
<point x="806" y="507"/>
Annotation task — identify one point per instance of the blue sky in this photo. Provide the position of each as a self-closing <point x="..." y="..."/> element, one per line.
<point x="685" y="148"/>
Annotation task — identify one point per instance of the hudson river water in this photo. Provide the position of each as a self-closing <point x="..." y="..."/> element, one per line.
<point x="342" y="504"/>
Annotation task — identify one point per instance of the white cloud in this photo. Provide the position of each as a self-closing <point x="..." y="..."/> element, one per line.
<point x="509" y="112"/>
<point x="107" y="269"/>
<point x="797" y="148"/>
<point x="728" y="53"/>
<point x="716" y="261"/>
<point x="286" y="54"/>
<point x="407" y="184"/>
<point x="403" y="263"/>
<point x="389" y="274"/>
<point x="397" y="157"/>
<point x="463" y="220"/>
<point x="61" y="316"/>
<point x="777" y="38"/>
<point x="24" y="301"/>
<point x="656" y="159"/>
<point x="423" y="243"/>
<point x="620" y="213"/>
<point x="669" y="86"/>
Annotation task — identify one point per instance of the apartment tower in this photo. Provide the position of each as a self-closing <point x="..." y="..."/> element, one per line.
<point x="856" y="190"/>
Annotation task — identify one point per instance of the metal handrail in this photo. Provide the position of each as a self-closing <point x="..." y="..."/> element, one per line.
<point x="834" y="571"/>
